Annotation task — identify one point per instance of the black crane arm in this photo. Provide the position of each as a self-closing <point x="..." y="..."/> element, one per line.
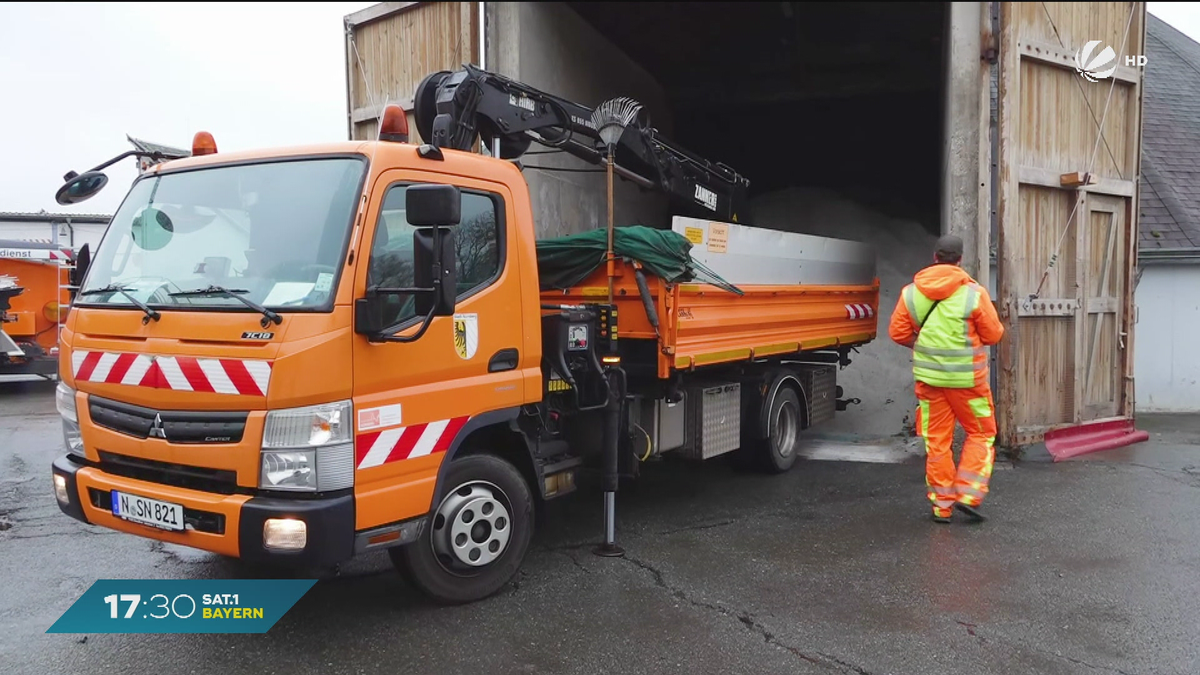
<point x="453" y="109"/>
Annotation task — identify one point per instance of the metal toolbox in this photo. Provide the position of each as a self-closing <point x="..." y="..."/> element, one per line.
<point x="713" y="419"/>
<point x="820" y="387"/>
<point x="664" y="423"/>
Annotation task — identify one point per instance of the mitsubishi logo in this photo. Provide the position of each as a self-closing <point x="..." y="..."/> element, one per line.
<point x="156" y="429"/>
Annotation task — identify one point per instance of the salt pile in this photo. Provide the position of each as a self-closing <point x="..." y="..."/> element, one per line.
<point x="881" y="372"/>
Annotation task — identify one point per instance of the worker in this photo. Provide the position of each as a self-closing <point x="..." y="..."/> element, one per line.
<point x="948" y="320"/>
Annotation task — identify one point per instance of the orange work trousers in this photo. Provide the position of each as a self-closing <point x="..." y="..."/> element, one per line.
<point x="938" y="409"/>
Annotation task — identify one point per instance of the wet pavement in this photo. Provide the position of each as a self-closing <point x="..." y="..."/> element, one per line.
<point x="1086" y="566"/>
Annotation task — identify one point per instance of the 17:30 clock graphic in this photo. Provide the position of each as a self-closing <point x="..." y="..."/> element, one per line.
<point x="168" y="606"/>
<point x="182" y="606"/>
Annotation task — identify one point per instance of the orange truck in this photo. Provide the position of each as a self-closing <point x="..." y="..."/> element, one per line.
<point x="34" y="297"/>
<point x="300" y="355"/>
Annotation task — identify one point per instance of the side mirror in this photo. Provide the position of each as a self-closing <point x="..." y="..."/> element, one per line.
<point x="83" y="260"/>
<point x="430" y="208"/>
<point x="368" y="315"/>
<point x="433" y="259"/>
<point x="80" y="187"/>
<point x="432" y="205"/>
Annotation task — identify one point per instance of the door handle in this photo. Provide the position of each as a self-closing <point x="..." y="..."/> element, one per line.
<point x="505" y="359"/>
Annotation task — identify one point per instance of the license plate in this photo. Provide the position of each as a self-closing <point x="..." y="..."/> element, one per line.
<point x="152" y="512"/>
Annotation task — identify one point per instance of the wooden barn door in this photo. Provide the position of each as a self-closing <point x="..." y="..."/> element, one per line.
<point x="392" y="46"/>
<point x="1069" y="159"/>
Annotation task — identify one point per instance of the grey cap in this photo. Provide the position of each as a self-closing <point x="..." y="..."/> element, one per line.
<point x="949" y="247"/>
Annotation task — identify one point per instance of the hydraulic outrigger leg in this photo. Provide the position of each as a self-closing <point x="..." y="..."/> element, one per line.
<point x="611" y="477"/>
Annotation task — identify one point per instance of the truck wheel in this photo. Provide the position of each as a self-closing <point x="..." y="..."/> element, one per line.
<point x="476" y="538"/>
<point x="778" y="450"/>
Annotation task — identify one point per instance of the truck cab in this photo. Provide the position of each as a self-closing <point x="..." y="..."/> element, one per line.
<point x="255" y="421"/>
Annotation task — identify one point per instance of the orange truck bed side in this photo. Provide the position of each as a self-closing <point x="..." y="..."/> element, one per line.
<point x="700" y="324"/>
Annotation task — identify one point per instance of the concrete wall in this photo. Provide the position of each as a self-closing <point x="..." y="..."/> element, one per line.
<point x="1166" y="366"/>
<point x="548" y="46"/>
<point x="965" y="141"/>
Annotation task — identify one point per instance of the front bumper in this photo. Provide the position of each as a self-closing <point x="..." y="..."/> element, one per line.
<point x="230" y="525"/>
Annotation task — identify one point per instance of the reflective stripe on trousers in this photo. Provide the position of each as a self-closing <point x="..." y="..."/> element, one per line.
<point x="939" y="409"/>
<point x="942" y="497"/>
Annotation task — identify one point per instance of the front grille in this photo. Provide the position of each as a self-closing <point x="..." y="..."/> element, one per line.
<point x="220" y="481"/>
<point x="201" y="521"/>
<point x="177" y="426"/>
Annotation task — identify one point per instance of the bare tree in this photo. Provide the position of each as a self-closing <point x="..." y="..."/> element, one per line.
<point x="476" y="249"/>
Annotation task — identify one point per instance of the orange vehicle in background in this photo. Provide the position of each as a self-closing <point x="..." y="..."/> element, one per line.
<point x="296" y="356"/>
<point x="34" y="297"/>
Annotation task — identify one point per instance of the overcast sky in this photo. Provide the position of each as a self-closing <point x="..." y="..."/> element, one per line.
<point x="75" y="79"/>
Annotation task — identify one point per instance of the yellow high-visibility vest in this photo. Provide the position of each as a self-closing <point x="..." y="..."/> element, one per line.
<point x="944" y="355"/>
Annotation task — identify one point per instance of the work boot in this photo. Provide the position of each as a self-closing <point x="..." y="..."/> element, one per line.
<point x="941" y="515"/>
<point x="971" y="512"/>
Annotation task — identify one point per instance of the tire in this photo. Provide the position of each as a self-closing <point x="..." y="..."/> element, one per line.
<point x="777" y="452"/>
<point x="488" y="510"/>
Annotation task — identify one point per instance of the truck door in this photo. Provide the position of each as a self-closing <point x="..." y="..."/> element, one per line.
<point x="412" y="399"/>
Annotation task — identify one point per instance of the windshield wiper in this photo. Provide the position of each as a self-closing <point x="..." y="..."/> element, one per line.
<point x="151" y="313"/>
<point x="268" y="315"/>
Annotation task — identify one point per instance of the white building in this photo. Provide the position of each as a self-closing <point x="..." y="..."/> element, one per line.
<point x="69" y="230"/>
<point x="1166" y="365"/>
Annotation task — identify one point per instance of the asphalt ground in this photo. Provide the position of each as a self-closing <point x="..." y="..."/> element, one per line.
<point x="1085" y="566"/>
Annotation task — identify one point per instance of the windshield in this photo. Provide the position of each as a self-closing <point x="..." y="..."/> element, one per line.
<point x="273" y="230"/>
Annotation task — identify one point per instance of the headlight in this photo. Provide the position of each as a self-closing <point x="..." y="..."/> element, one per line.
<point x="64" y="399"/>
<point x="308" y="449"/>
<point x="289" y="470"/>
<point x="285" y="534"/>
<point x="60" y="489"/>
<point x="72" y="437"/>
<point x="308" y="427"/>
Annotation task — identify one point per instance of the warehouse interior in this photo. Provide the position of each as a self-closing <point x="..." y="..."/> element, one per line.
<point x="838" y="95"/>
<point x="832" y="110"/>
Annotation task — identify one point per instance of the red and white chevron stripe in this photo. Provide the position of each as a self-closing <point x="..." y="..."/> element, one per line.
<point x="859" y="311"/>
<point x="178" y="373"/>
<point x="392" y="445"/>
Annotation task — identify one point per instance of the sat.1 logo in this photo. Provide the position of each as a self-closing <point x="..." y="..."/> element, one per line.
<point x="1095" y="67"/>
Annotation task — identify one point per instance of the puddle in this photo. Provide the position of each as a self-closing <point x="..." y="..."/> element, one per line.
<point x="833" y="451"/>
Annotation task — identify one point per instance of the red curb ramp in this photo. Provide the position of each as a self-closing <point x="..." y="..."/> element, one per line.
<point x="1092" y="437"/>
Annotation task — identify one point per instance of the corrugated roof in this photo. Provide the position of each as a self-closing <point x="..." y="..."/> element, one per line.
<point x="44" y="217"/>
<point x="1170" y="186"/>
<point x="31" y="244"/>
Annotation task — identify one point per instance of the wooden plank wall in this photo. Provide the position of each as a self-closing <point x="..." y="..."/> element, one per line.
<point x="393" y="48"/>
<point x="1067" y="356"/>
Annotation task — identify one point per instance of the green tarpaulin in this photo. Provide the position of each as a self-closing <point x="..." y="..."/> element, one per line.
<point x="566" y="261"/>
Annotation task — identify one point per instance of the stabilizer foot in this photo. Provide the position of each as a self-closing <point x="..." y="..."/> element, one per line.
<point x="609" y="551"/>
